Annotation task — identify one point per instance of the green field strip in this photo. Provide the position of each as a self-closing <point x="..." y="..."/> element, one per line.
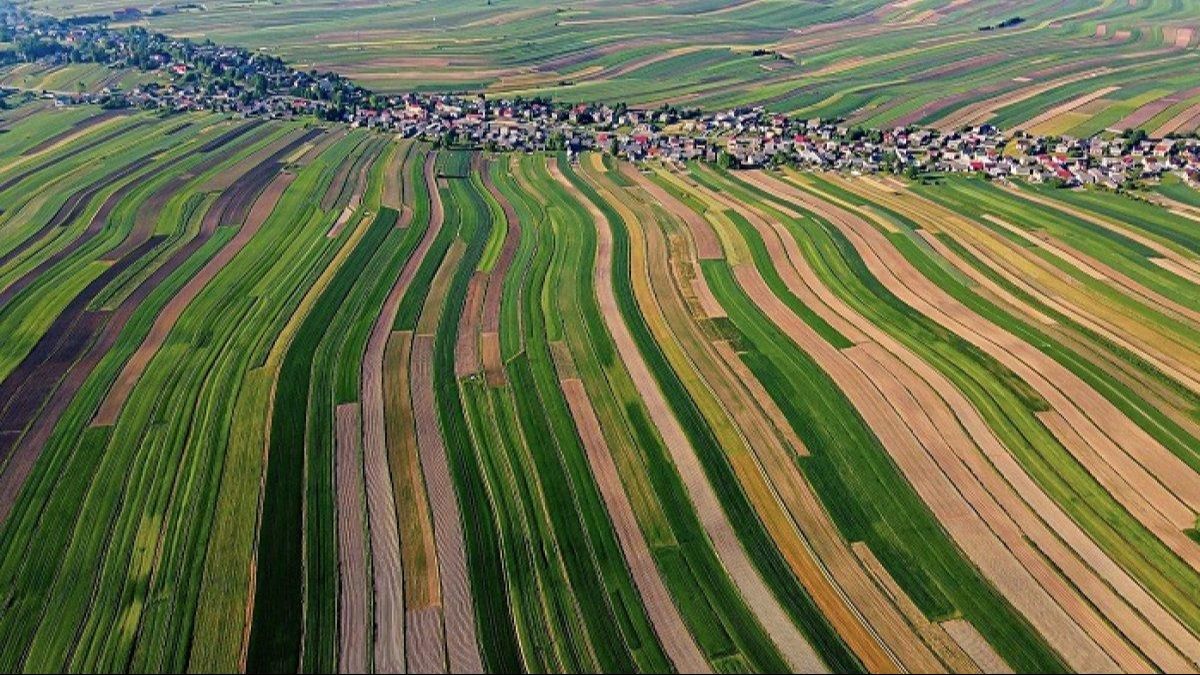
<point x="547" y="619"/>
<point x="54" y="192"/>
<point x="547" y="600"/>
<point x="62" y="443"/>
<point x="1173" y="187"/>
<point x="1123" y="254"/>
<point x="1171" y="229"/>
<point x="410" y="307"/>
<point x="525" y="293"/>
<point x="935" y="575"/>
<point x="31" y="311"/>
<point x="22" y="135"/>
<point x="495" y="240"/>
<point x="1149" y="417"/>
<point x="798" y="602"/>
<point x="517" y="283"/>
<point x="338" y="353"/>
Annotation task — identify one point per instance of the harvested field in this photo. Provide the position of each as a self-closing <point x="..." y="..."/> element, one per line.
<point x="466" y="353"/>
<point x="353" y="606"/>
<point x="458" y="613"/>
<point x="384" y="479"/>
<point x="986" y="659"/>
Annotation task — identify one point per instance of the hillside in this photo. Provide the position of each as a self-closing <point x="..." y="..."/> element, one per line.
<point x="281" y="396"/>
<point x="298" y="377"/>
<point x="879" y="64"/>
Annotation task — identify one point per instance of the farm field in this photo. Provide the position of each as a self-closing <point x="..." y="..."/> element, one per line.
<point x="280" y="396"/>
<point x="1075" y="67"/>
<point x="71" y="78"/>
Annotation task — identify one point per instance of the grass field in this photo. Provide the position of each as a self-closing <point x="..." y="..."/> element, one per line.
<point x="278" y="396"/>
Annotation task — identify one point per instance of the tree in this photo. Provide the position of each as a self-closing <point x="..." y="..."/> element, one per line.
<point x="726" y="160"/>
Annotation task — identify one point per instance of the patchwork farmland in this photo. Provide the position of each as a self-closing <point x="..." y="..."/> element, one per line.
<point x="280" y="396"/>
<point x="1073" y="67"/>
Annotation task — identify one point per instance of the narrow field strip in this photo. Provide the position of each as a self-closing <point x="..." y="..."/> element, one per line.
<point x="674" y="634"/>
<point x="458" y="605"/>
<point x="353" y="604"/>
<point x="134" y="368"/>
<point x="382" y="483"/>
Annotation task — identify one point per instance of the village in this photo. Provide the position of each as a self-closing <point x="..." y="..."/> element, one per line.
<point x="754" y="137"/>
<point x="194" y="76"/>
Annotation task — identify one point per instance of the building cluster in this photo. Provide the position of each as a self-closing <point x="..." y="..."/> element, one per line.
<point x="205" y="76"/>
<point x="1110" y="160"/>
